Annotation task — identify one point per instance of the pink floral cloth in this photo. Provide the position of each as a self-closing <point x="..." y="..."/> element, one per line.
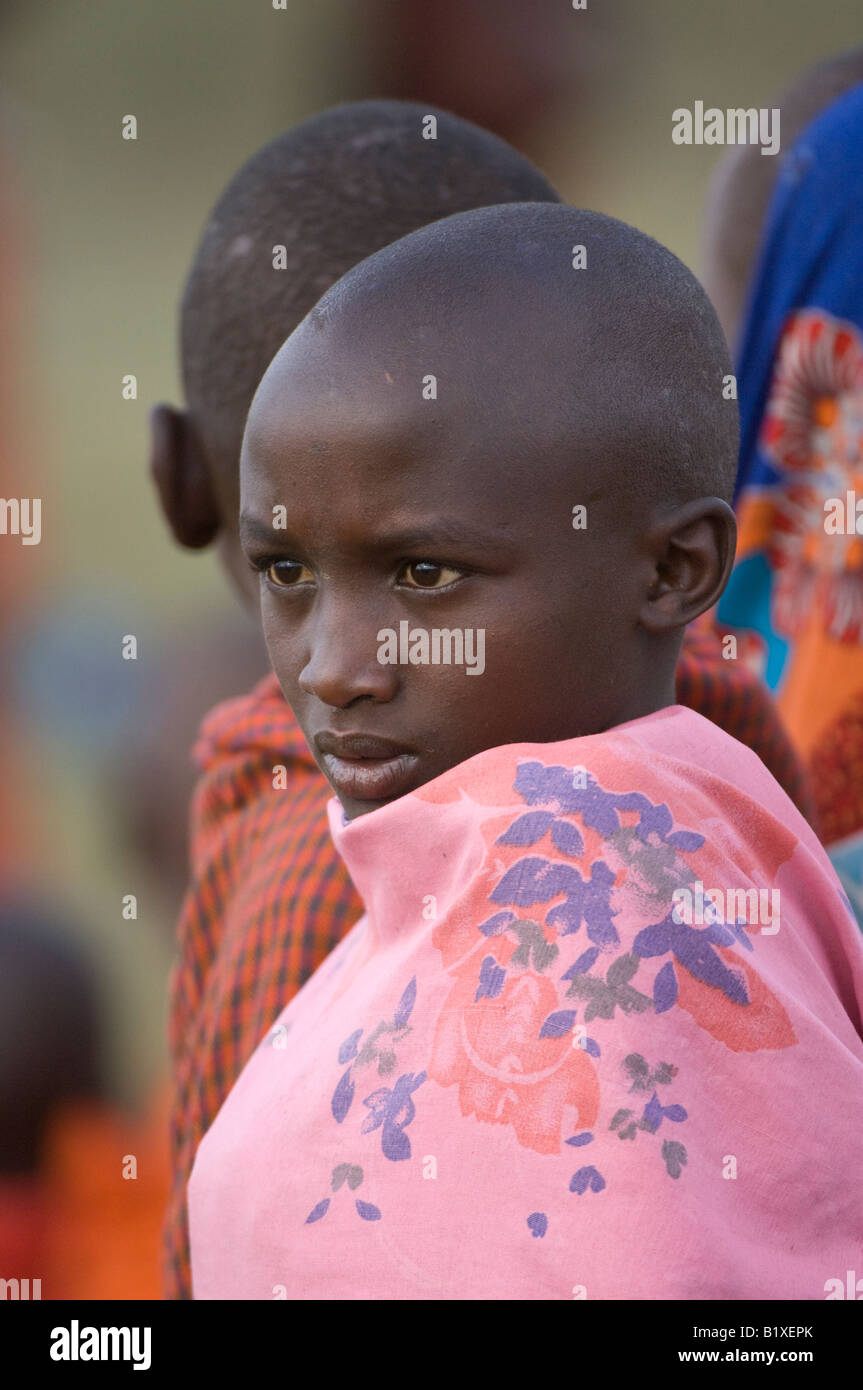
<point x="597" y="1036"/>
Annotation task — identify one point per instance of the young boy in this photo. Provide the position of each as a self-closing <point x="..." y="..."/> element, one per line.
<point x="553" y="855"/>
<point x="270" y="897"/>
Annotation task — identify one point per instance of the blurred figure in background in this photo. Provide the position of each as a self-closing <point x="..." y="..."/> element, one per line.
<point x="48" y="996"/>
<point x="785" y="268"/>
<point x="83" y="1182"/>
<point x="495" y="62"/>
<point x="48" y="1059"/>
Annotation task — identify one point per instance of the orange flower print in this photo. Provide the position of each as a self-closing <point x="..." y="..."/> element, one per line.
<point x="813" y="431"/>
<point x="761" y="1023"/>
<point x="511" y="1054"/>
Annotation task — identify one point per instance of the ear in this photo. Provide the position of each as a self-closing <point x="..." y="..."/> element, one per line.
<point x="693" y="553"/>
<point x="178" y="467"/>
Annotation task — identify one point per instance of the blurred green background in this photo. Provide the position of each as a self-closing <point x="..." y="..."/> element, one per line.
<point x="103" y="232"/>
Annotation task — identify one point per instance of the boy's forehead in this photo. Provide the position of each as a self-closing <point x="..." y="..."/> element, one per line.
<point x="336" y="413"/>
<point x="414" y="389"/>
<point x="318" y="429"/>
<point x="380" y="352"/>
<point x="350" y="480"/>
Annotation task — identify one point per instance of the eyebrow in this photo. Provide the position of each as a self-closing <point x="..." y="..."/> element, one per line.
<point x="445" y="531"/>
<point x="251" y="529"/>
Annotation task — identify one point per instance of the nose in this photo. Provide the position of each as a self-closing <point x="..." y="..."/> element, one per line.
<point x="342" y="665"/>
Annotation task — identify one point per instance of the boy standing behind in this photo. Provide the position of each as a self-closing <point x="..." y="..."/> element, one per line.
<point x="269" y="896"/>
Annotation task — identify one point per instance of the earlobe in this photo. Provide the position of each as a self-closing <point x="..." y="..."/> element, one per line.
<point x="693" y="557"/>
<point x="178" y="468"/>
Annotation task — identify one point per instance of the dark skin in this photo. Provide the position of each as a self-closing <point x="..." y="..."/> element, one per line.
<point x="199" y="495"/>
<point x="441" y="515"/>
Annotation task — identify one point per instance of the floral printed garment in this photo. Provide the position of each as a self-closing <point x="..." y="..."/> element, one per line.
<point x="597" y="1036"/>
<point x="795" y="598"/>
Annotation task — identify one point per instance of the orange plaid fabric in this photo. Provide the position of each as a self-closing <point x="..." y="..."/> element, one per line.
<point x="270" y="898"/>
<point x="730" y="694"/>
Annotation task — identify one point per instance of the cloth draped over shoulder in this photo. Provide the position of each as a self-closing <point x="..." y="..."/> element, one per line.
<point x="270" y="897"/>
<point x="598" y="1035"/>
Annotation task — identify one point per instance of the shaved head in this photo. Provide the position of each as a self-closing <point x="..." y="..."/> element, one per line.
<point x="331" y="191"/>
<point x="510" y="424"/>
<point x="302" y="211"/>
<point x="620" y="362"/>
<point x="744" y="181"/>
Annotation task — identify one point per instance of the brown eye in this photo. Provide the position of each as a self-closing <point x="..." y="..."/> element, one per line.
<point x="285" y="574"/>
<point x="426" y="574"/>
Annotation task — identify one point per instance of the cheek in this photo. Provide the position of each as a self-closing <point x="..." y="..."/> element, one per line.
<point x="541" y="660"/>
<point x="535" y="642"/>
<point x="281" y="642"/>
